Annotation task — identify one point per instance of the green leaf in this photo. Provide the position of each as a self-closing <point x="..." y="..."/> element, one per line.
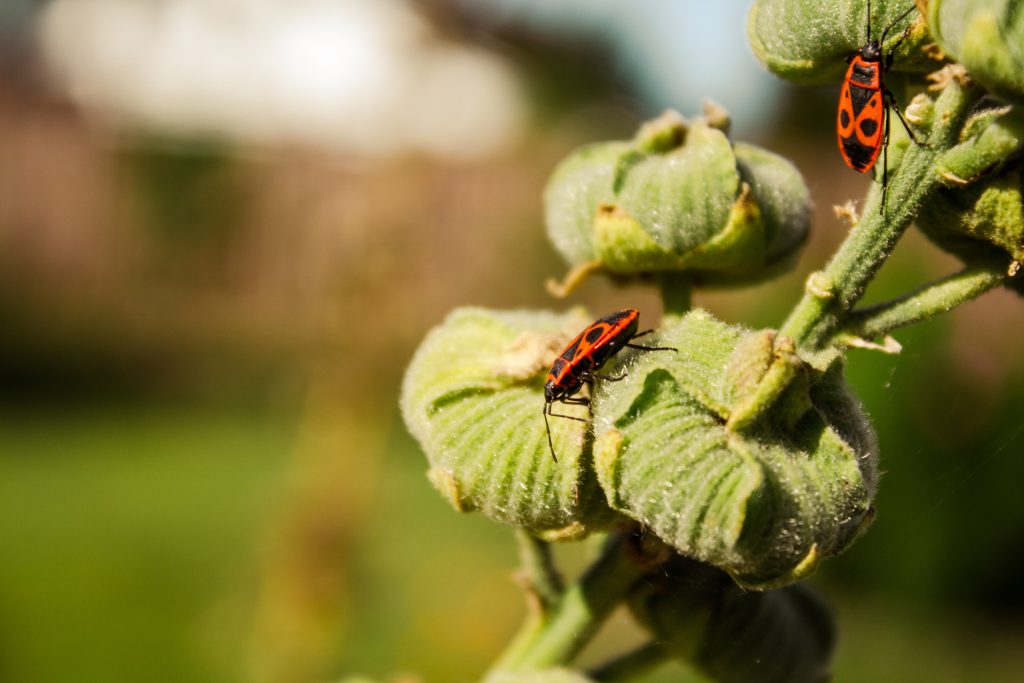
<point x="807" y="41"/>
<point x="700" y="616"/>
<point x="765" y="504"/>
<point x="473" y="398"/>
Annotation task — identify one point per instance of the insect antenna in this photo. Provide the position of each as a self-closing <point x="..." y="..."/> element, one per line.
<point x="868" y="39"/>
<point x="547" y="425"/>
<point x="897" y="20"/>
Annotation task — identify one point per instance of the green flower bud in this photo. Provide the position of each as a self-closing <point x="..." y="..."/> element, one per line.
<point x="987" y="37"/>
<point x="473" y="397"/>
<point x="764" y="501"/>
<point x="989" y="138"/>
<point x="808" y="41"/>
<point x="699" y="615"/>
<point x="679" y="197"/>
<point x="981" y="220"/>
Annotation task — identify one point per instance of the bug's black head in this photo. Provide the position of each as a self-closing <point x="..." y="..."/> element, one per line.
<point x="872" y="52"/>
<point x="550" y="392"/>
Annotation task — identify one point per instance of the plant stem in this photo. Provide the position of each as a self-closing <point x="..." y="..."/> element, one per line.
<point x="537" y="571"/>
<point x="926" y="302"/>
<point x="631" y="665"/>
<point x="676" y="295"/>
<point x="833" y="292"/>
<point x="559" y="635"/>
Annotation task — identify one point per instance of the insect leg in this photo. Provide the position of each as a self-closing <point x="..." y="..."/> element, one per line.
<point x="885" y="161"/>
<point x="570" y="401"/>
<point x="891" y="99"/>
<point x="651" y="348"/>
<point x="647" y="348"/>
<point x="589" y="377"/>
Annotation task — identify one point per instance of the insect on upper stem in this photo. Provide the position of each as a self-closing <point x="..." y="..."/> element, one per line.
<point x="862" y="122"/>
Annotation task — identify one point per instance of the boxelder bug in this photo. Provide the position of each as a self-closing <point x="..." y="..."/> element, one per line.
<point x="583" y="357"/>
<point x="862" y="124"/>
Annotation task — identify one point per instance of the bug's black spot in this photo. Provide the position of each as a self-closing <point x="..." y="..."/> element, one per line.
<point x="594" y="333"/>
<point x="557" y="366"/>
<point x="860" y="156"/>
<point x="844" y="117"/>
<point x="570" y="350"/>
<point x="868" y="127"/>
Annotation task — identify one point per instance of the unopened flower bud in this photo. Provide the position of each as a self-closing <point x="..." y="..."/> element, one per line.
<point x="764" y="504"/>
<point x="700" y="616"/>
<point x="679" y="197"/>
<point x="987" y="37"/>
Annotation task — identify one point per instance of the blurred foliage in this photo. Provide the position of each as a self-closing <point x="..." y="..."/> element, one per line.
<point x="190" y="336"/>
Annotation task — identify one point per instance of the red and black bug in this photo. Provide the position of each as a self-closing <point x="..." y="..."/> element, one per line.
<point x="583" y="357"/>
<point x="862" y="124"/>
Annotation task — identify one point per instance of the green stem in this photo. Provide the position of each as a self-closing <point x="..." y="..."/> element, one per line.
<point x="676" y="295"/>
<point x="832" y="293"/>
<point x="559" y="635"/>
<point x="538" y="573"/>
<point x="931" y="300"/>
<point x="632" y="665"/>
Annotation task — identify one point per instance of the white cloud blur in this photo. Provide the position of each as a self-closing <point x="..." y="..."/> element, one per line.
<point x="363" y="77"/>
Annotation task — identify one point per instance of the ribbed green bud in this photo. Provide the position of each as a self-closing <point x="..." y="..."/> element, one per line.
<point x="765" y="499"/>
<point x="807" y="41"/>
<point x="987" y="37"/>
<point x="980" y="220"/>
<point x="679" y="197"/>
<point x="473" y="397"/>
<point x="990" y="138"/>
<point x="699" y="615"/>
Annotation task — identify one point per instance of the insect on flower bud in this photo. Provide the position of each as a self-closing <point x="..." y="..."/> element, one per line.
<point x="764" y="504"/>
<point x="473" y="397"/>
<point x="807" y="41"/>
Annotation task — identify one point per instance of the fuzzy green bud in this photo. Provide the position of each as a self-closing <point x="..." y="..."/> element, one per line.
<point x="981" y="220"/>
<point x="987" y="37"/>
<point x="765" y="500"/>
<point x="808" y="41"/>
<point x="679" y="197"/>
<point x="990" y="137"/>
<point x="699" y="615"/>
<point x="473" y="398"/>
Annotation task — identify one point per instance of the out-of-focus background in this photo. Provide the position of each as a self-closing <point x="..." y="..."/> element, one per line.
<point x="226" y="224"/>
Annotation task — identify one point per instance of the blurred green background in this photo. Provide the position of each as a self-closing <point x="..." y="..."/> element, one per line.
<point x="224" y="228"/>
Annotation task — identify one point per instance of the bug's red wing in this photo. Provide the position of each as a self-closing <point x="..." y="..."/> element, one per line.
<point x="860" y="120"/>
